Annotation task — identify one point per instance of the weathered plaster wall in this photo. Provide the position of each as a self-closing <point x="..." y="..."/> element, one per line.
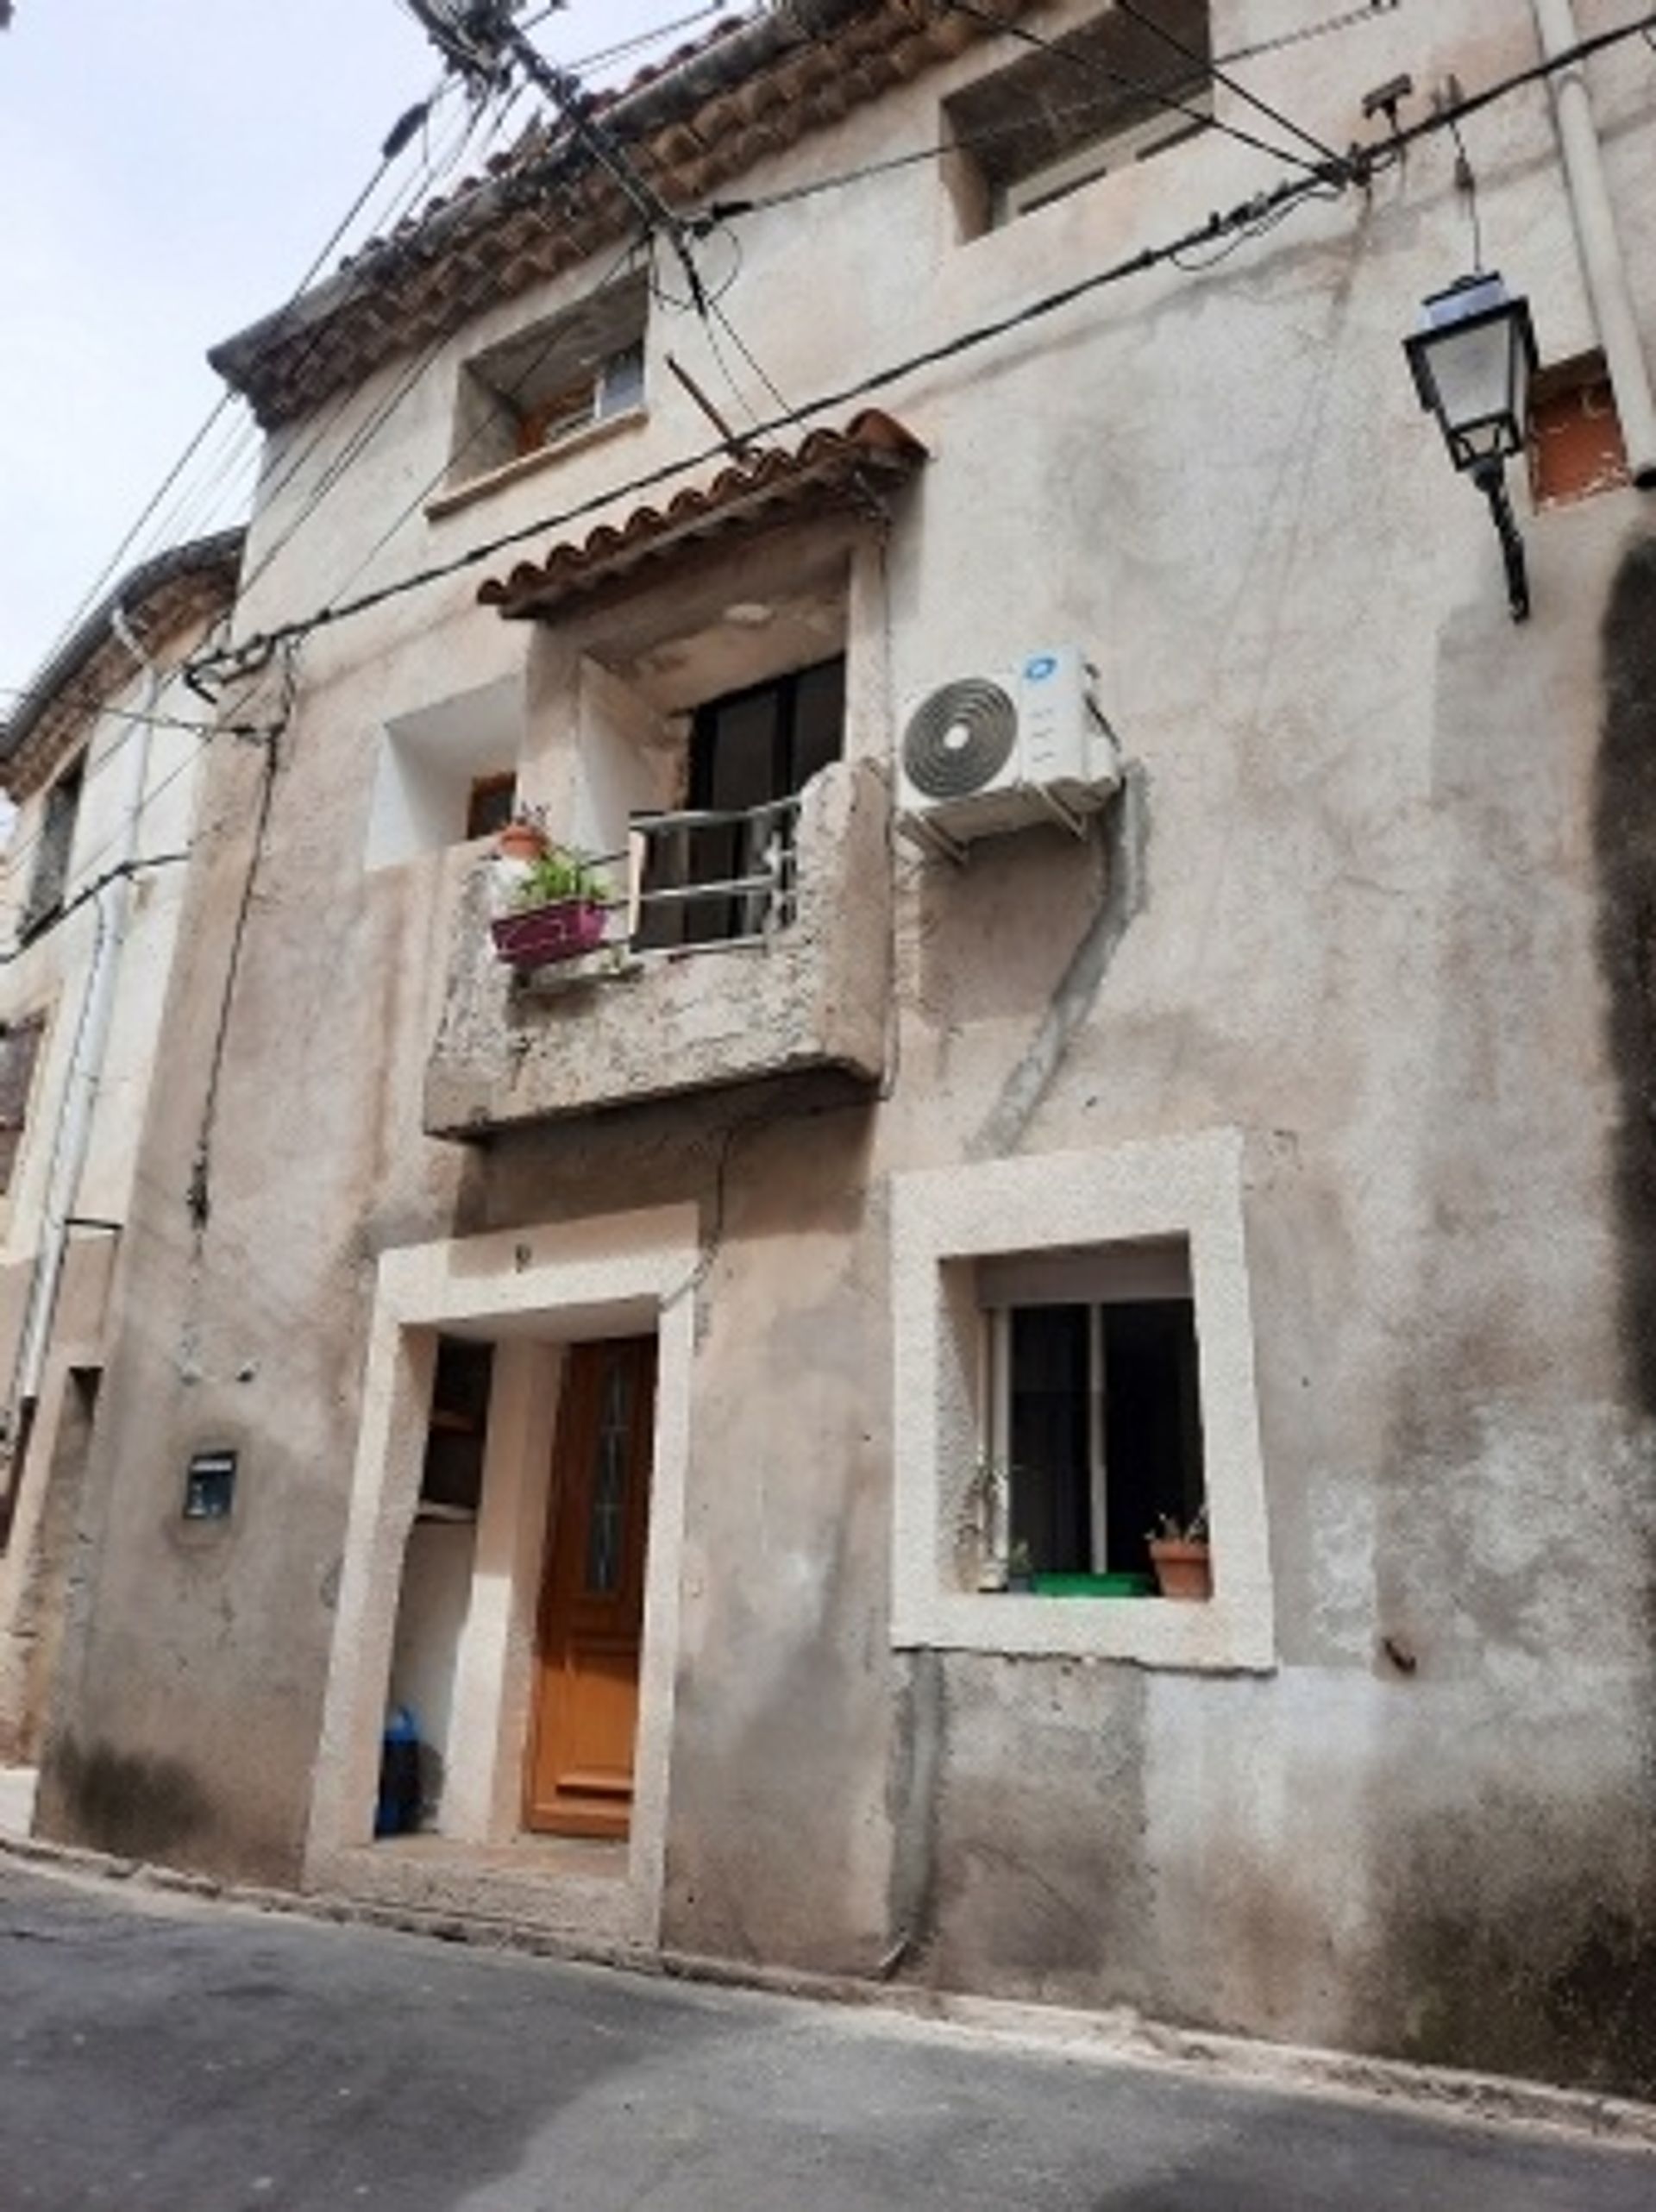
<point x="1390" y="923"/>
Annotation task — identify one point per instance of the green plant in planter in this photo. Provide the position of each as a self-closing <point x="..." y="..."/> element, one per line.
<point x="559" y="875"/>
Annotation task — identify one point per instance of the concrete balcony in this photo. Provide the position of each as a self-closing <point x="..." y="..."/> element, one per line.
<point x="807" y="989"/>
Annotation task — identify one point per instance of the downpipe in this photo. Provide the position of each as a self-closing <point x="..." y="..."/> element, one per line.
<point x="1603" y="262"/>
<point x="82" y="1084"/>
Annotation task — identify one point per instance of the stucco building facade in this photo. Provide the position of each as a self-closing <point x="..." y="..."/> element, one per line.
<point x="101" y="759"/>
<point x="651" y="1370"/>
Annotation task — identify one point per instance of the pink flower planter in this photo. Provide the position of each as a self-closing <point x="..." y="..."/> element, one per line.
<point x="542" y="934"/>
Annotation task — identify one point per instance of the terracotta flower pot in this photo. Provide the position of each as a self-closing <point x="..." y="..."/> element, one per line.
<point x="1183" y="1570"/>
<point x="520" y="841"/>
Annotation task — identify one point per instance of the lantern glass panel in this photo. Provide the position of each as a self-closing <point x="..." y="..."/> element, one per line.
<point x="1472" y="365"/>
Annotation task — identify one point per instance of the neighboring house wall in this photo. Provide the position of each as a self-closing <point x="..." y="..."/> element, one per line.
<point x="134" y="780"/>
<point x="1345" y="999"/>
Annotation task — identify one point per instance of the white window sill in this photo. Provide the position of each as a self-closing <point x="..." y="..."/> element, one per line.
<point x="1212" y="1635"/>
<point x="524" y="465"/>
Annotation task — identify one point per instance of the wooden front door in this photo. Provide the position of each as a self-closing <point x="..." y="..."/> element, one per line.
<point x="579" y="1773"/>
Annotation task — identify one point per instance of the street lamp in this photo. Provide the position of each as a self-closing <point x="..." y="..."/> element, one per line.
<point x="1472" y="358"/>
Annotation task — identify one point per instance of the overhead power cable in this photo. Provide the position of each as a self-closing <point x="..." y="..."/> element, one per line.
<point x="88" y="891"/>
<point x="1158" y="96"/>
<point x="226" y="400"/>
<point x="88" y="704"/>
<point x="362" y="437"/>
<point x="1212" y="69"/>
<point x="720" y="212"/>
<point x="1251" y="214"/>
<point x="15" y="856"/>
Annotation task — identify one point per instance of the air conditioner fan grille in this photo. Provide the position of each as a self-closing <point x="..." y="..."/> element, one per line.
<point x="960" y="738"/>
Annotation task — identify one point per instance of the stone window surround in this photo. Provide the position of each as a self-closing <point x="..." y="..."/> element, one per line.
<point x="531" y="1288"/>
<point x="1180" y="1187"/>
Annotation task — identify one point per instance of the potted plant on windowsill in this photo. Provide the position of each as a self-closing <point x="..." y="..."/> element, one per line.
<point x="1180" y="1553"/>
<point x="557" y="910"/>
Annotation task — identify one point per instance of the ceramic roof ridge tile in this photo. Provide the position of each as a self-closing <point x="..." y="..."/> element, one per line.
<point x="827" y="463"/>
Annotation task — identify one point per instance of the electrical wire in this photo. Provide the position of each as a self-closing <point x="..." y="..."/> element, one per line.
<point x="15" y="856"/>
<point x="434" y="483"/>
<point x="1467" y="184"/>
<point x="1217" y="228"/>
<point x="864" y="387"/>
<point x="1265" y="205"/>
<point x="1215" y="71"/>
<point x="364" y="434"/>
<point x="89" y="598"/>
<point x="736" y="338"/>
<point x="87" y="703"/>
<point x="134" y="867"/>
<point x="1136" y="86"/>
<point x="719" y="212"/>
<point x="580" y="134"/>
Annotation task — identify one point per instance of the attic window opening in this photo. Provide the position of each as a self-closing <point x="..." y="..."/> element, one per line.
<point x="54" y="851"/>
<point x="19" y="1047"/>
<point x="1106" y="95"/>
<point x="539" y="390"/>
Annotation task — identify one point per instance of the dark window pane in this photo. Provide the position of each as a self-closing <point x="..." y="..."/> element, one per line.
<point x="1047" y="1437"/>
<point x="57" y="838"/>
<point x="489" y="806"/>
<point x="1152" y="1423"/>
<point x="737" y="738"/>
<point x="20" y="1046"/>
<point x="818" y="721"/>
<point x="453" y="1473"/>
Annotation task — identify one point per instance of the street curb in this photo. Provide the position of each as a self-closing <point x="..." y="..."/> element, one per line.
<point x="1123" y="2037"/>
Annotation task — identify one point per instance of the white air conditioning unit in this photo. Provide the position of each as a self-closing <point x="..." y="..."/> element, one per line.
<point x="985" y="754"/>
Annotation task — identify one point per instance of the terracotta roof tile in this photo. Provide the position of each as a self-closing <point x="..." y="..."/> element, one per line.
<point x="751" y="89"/>
<point x="827" y="469"/>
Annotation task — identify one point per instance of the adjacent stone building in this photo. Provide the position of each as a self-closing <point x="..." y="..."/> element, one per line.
<point x="721" y="1384"/>
<point x="101" y="759"/>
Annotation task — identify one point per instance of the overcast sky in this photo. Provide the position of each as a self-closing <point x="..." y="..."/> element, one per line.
<point x="168" y="170"/>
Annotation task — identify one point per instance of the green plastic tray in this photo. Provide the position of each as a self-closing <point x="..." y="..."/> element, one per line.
<point x="1094" y="1586"/>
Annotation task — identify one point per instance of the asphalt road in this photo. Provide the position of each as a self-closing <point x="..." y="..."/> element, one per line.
<point x="163" y="2055"/>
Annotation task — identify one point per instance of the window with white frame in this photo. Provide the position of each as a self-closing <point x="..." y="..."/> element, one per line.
<point x="537" y="390"/>
<point x="1091" y="1411"/>
<point x="1084" y="105"/>
<point x="1074" y="1366"/>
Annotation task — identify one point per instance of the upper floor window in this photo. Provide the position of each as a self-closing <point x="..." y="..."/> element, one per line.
<point x="1105" y="95"/>
<point x="55" y="845"/>
<point x="539" y="390"/>
<point x="19" y="1047"/>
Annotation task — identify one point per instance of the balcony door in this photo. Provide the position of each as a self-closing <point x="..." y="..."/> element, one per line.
<point x="578" y="1779"/>
<point x="748" y="750"/>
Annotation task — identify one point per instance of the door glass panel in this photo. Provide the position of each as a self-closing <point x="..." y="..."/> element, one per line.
<point x="606" y="1526"/>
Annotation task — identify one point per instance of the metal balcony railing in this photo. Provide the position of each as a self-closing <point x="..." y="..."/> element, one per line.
<point x="712" y="876"/>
